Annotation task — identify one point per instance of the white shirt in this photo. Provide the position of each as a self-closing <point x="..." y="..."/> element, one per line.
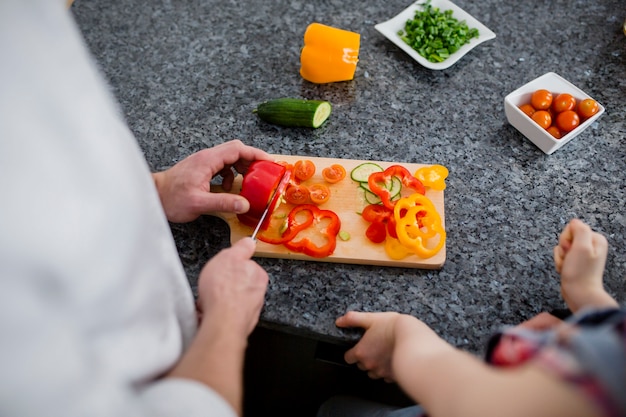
<point x="94" y="302"/>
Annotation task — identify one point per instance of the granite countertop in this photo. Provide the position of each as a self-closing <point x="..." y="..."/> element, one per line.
<point x="188" y="74"/>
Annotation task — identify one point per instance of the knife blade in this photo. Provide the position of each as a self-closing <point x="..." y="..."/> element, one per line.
<point x="276" y="194"/>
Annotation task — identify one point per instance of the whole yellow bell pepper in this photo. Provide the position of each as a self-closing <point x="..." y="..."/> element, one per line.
<point x="329" y="54"/>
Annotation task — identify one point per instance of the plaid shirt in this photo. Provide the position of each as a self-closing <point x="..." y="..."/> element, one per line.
<point x="588" y="350"/>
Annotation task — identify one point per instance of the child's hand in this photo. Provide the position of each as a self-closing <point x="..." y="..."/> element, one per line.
<point x="580" y="257"/>
<point x="391" y="340"/>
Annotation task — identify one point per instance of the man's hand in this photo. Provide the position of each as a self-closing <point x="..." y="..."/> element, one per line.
<point x="231" y="291"/>
<point x="185" y="188"/>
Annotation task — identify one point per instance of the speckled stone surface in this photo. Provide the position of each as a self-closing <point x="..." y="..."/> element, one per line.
<point x="188" y="74"/>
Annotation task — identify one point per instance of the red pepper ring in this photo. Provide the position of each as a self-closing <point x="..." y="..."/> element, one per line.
<point x="314" y="217"/>
<point x="282" y="230"/>
<point x="378" y="183"/>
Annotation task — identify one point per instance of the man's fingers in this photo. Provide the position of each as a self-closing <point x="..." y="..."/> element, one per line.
<point x="225" y="202"/>
<point x="245" y="247"/>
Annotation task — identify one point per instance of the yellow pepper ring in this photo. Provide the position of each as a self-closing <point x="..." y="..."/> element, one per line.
<point x="410" y="234"/>
<point x="415" y="199"/>
<point x="395" y="249"/>
<point x="410" y="231"/>
<point x="433" y="176"/>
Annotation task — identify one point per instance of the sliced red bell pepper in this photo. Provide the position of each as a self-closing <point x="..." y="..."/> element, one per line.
<point x="319" y="238"/>
<point x="376" y="213"/>
<point x="283" y="229"/>
<point x="376" y="232"/>
<point x="382" y="222"/>
<point x="378" y="183"/>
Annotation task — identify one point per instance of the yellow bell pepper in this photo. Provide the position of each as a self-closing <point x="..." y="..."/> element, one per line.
<point x="329" y="54"/>
<point x="417" y="221"/>
<point x="433" y="176"/>
<point x="395" y="249"/>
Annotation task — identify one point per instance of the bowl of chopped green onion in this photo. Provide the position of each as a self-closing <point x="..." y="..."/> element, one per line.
<point x="435" y="33"/>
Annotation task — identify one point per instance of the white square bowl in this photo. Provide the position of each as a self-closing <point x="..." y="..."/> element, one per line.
<point x="535" y="133"/>
<point x="391" y="27"/>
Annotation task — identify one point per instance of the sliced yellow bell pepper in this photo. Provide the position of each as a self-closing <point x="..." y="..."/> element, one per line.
<point x="395" y="249"/>
<point x="433" y="176"/>
<point x="329" y="54"/>
<point x="417" y="221"/>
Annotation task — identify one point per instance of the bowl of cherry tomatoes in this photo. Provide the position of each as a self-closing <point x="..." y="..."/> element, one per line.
<point x="550" y="111"/>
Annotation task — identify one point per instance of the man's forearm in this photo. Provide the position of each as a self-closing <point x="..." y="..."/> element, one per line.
<point x="216" y="359"/>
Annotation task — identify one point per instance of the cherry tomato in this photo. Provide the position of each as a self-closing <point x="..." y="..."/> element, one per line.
<point x="541" y="99"/>
<point x="297" y="194"/>
<point x="304" y="169"/>
<point x="376" y="232"/>
<point x="563" y="102"/>
<point x="542" y="118"/>
<point x="554" y="131"/>
<point x="320" y="193"/>
<point x="567" y="120"/>
<point x="528" y="109"/>
<point x="334" y="173"/>
<point x="587" y="108"/>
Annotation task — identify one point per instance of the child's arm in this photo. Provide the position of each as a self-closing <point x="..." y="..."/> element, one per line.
<point x="580" y="257"/>
<point x="449" y="382"/>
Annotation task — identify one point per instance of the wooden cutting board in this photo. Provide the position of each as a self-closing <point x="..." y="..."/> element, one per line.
<point x="347" y="203"/>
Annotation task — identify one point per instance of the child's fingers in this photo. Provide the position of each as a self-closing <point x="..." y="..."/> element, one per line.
<point x="600" y="244"/>
<point x="354" y="319"/>
<point x="559" y="254"/>
<point x="566" y="237"/>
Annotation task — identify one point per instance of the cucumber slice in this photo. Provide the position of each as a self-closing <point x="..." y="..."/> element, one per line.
<point x="369" y="196"/>
<point x="294" y="112"/>
<point x="395" y="187"/>
<point x="362" y="172"/>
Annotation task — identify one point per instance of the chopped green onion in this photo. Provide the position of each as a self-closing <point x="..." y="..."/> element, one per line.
<point x="343" y="235"/>
<point x="434" y="34"/>
<point x="283" y="227"/>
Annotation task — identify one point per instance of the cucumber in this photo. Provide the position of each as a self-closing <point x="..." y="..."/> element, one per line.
<point x="369" y="196"/>
<point x="362" y="172"/>
<point x="395" y="187"/>
<point x="294" y="112"/>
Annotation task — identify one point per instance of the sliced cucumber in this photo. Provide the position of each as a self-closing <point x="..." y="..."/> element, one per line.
<point x="395" y="188"/>
<point x="362" y="172"/>
<point x="369" y="196"/>
<point x="294" y="112"/>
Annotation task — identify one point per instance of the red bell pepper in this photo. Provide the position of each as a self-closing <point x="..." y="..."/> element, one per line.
<point x="259" y="183"/>
<point x="323" y="226"/>
<point x="382" y="222"/>
<point x="378" y="183"/>
<point x="283" y="229"/>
